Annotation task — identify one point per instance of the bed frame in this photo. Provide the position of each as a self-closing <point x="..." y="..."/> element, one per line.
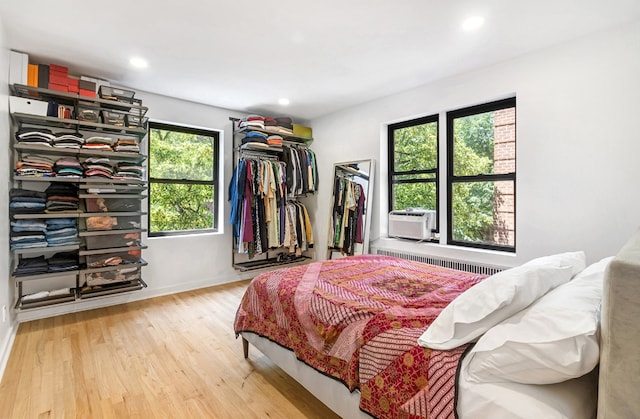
<point x="619" y="379"/>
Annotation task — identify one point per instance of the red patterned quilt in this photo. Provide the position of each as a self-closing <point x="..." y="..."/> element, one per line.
<point x="358" y="319"/>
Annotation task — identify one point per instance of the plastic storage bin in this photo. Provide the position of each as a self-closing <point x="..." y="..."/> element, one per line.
<point x="106" y="204"/>
<point x="113" y="118"/>
<point x="111" y="241"/>
<point x="113" y="93"/>
<point x="112" y="277"/>
<point x="108" y="223"/>
<point x="88" y="112"/>
<point x="113" y="259"/>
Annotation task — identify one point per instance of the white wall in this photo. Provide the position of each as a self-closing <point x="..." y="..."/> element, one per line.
<point x="578" y="149"/>
<point x="179" y="263"/>
<point x="8" y="327"/>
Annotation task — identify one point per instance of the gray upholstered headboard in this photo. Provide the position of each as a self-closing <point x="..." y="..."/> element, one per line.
<point x="619" y="384"/>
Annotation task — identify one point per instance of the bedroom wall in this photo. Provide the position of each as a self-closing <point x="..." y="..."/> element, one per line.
<point x="192" y="261"/>
<point x="577" y="145"/>
<point x="7" y="328"/>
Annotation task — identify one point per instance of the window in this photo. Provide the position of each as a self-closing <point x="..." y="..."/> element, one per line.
<point x="183" y="179"/>
<point x="481" y="175"/>
<point x="413" y="164"/>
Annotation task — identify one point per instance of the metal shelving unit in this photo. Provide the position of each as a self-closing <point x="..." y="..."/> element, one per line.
<point x="107" y="188"/>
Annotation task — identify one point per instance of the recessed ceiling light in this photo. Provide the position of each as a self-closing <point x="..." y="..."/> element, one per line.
<point x="138" y="62"/>
<point x="472" y="23"/>
<point x="283" y="101"/>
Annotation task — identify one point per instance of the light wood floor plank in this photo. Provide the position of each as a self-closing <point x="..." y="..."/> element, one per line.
<point x="169" y="357"/>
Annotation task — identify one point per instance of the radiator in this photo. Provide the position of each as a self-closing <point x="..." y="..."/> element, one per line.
<point x="447" y="263"/>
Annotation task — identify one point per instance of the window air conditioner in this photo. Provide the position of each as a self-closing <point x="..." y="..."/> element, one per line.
<point x="412" y="223"/>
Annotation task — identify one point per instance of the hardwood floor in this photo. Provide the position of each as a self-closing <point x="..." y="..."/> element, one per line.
<point x="168" y="357"/>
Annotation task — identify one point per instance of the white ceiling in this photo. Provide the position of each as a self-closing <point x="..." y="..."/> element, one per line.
<point x="323" y="55"/>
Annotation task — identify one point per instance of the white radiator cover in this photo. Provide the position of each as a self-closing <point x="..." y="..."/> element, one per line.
<point x="461" y="265"/>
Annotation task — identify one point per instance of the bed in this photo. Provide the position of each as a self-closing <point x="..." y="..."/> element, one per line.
<point x="375" y="336"/>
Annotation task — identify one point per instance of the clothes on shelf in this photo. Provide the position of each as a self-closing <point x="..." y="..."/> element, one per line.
<point x="127" y="144"/>
<point x="68" y="167"/>
<point x="35" y="136"/>
<point x="32" y="233"/>
<point x="279" y="125"/>
<point x="70" y="140"/>
<point x="34" y="165"/>
<point x="261" y="216"/>
<point x="59" y="262"/>
<point x="62" y="197"/>
<point x="62" y="232"/>
<point x="25" y="201"/>
<point x="99" y="143"/>
<point x="126" y="170"/>
<point x="98" y="167"/>
<point x="347" y="215"/>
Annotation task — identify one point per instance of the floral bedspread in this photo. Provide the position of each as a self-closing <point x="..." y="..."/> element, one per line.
<point x="357" y="319"/>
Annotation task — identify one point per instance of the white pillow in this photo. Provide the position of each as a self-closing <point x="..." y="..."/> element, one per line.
<point x="489" y="302"/>
<point x="577" y="261"/>
<point x="553" y="340"/>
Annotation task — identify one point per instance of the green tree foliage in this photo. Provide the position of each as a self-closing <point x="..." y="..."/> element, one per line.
<point x="473" y="202"/>
<point x="180" y="156"/>
<point x="415" y="149"/>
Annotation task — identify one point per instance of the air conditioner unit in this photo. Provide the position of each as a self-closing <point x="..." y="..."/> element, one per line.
<point x="412" y="223"/>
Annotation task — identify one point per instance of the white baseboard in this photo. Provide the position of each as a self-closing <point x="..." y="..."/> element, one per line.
<point x="5" y="349"/>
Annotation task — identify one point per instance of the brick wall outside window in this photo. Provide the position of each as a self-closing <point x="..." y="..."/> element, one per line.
<point x="504" y="151"/>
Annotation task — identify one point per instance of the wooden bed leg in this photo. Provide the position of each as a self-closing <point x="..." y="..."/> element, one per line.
<point x="245" y="348"/>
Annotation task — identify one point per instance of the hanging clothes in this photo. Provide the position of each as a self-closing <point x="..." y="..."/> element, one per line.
<point x="262" y="216"/>
<point x="347" y="216"/>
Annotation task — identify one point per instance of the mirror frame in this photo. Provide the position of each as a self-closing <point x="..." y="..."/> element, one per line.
<point x="368" y="204"/>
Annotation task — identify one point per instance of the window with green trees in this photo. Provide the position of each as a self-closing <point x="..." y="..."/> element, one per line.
<point x="480" y="172"/>
<point x="481" y="175"/>
<point x="413" y="164"/>
<point x="183" y="179"/>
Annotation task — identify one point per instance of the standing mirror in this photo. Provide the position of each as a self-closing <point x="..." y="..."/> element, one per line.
<point x="350" y="208"/>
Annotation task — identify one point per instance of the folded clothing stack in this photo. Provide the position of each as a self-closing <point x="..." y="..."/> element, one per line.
<point x="33" y="165"/>
<point x="25" y="201"/>
<point x="129" y="171"/>
<point x="62" y="232"/>
<point x="27" y="234"/>
<point x="62" y="197"/>
<point x="74" y="141"/>
<point x="275" y="140"/>
<point x="127" y="144"/>
<point x="98" y="167"/>
<point x="60" y="262"/>
<point x="68" y="167"/>
<point x="251" y="121"/>
<point x="32" y="266"/>
<point x="99" y="143"/>
<point x="255" y="138"/>
<point x="63" y="262"/>
<point x="35" y="136"/>
<point x="284" y="125"/>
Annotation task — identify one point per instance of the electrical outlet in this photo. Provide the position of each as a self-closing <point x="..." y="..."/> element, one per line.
<point x="4" y="314"/>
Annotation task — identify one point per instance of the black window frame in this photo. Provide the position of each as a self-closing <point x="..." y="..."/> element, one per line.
<point x="215" y="182"/>
<point x="391" y="162"/>
<point x="452" y="179"/>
